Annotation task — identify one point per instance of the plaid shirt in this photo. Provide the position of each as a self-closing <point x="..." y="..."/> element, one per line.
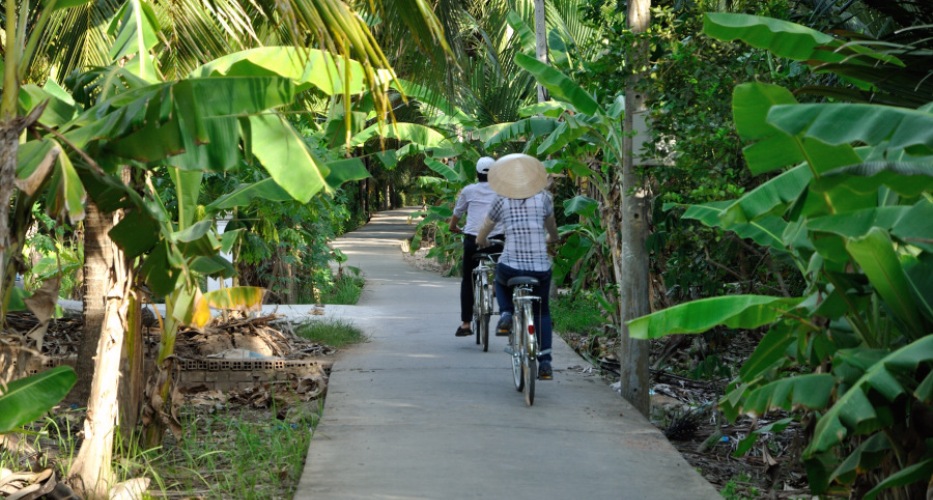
<point x="525" y="233"/>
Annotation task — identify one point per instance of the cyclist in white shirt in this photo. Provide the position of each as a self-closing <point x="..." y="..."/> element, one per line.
<point x="474" y="201"/>
<point x="527" y="211"/>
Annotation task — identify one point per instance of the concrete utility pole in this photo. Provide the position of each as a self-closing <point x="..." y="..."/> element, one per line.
<point x="541" y="43"/>
<point x="633" y="354"/>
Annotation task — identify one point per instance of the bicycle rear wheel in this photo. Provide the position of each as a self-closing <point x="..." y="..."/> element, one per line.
<point x="529" y="354"/>
<point x="531" y="373"/>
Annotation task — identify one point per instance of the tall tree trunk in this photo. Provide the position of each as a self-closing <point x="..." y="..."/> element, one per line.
<point x="91" y="472"/>
<point x="98" y="261"/>
<point x="633" y="354"/>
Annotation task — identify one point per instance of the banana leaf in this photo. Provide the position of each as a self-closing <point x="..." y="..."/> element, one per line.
<point x="853" y="412"/>
<point x="282" y="151"/>
<point x="732" y="311"/>
<point x="26" y="399"/>
<point x="765" y="231"/>
<point x="900" y="128"/>
<point x="558" y="85"/>
<point x="875" y="254"/>
<point x="266" y="189"/>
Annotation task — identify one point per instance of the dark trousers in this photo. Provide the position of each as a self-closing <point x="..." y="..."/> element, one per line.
<point x="466" y="284"/>
<point x="541" y="309"/>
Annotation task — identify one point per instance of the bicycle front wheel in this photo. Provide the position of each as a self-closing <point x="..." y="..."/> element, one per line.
<point x="477" y="307"/>
<point x="529" y="353"/>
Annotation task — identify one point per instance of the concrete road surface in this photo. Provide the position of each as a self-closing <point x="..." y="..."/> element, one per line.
<point x="417" y="413"/>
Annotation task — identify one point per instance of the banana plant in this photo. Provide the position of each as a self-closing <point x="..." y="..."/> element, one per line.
<point x="849" y="207"/>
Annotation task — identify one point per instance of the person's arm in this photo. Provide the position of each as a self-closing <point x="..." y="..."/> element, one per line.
<point x="454" y="228"/>
<point x="481" y="240"/>
<point x="550" y="225"/>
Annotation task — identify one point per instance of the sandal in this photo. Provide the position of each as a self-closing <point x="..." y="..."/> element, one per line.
<point x="463" y="332"/>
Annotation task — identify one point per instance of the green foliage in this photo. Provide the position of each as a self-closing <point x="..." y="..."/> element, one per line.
<point x="335" y="333"/>
<point x="26" y="399"/>
<point x="580" y="313"/>
<point x="853" y="351"/>
<point x="346" y="288"/>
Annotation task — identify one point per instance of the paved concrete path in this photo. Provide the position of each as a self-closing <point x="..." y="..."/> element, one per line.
<point x="417" y="413"/>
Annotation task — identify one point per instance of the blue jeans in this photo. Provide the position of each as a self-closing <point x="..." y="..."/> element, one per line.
<point x="542" y="309"/>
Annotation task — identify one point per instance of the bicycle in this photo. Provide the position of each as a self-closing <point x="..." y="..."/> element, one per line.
<point x="484" y="294"/>
<point x="523" y="338"/>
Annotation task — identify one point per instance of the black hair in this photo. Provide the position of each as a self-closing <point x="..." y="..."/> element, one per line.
<point x="480" y="177"/>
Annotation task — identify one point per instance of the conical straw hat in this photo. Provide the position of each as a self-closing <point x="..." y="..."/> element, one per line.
<point x="517" y="176"/>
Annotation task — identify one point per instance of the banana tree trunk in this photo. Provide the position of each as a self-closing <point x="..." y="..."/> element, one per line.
<point x="91" y="474"/>
<point x="633" y="354"/>
<point x="9" y="145"/>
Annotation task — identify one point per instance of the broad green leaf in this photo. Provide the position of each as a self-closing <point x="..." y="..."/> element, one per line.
<point x="858" y="223"/>
<point x="134" y="21"/>
<point x="558" y="85"/>
<point x="853" y="412"/>
<point x="907" y="179"/>
<point x="237" y="95"/>
<point x="26" y="399"/>
<point x="775" y="148"/>
<point x="787" y="39"/>
<point x="265" y="189"/>
<point x="72" y="191"/>
<point x="566" y="133"/>
<point x="445" y="170"/>
<point x="34" y="161"/>
<point x="811" y="391"/>
<point x="187" y="188"/>
<point x="520" y="130"/>
<point x="136" y="233"/>
<point x="213" y="265"/>
<point x="283" y="153"/>
<point x="771" y="350"/>
<point x="229" y="238"/>
<point x="765" y="231"/>
<point x="772" y="197"/>
<point x="306" y="68"/>
<point x="913" y="227"/>
<point x="581" y="205"/>
<point x="341" y="171"/>
<point x="412" y="132"/>
<point x="158" y="273"/>
<point x="921" y="471"/>
<point x="919" y="271"/>
<point x="783" y="38"/>
<point x="58" y="110"/>
<point x="865" y="123"/>
<point x="875" y="254"/>
<point x="732" y="311"/>
<point x="865" y="457"/>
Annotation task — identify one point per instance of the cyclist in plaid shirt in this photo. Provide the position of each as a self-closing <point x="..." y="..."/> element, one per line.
<point x="527" y="211"/>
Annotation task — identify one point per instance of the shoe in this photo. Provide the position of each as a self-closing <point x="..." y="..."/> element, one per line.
<point x="463" y="332"/>
<point x="504" y="326"/>
<point x="545" y="372"/>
